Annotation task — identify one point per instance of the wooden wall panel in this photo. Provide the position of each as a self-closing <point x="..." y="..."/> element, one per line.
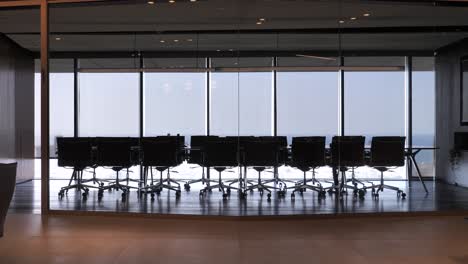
<point x="17" y="107"/>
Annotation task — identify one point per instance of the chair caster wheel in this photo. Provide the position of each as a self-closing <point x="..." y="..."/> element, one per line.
<point x="177" y="194"/>
<point x="293" y="195"/>
<point x="269" y="196"/>
<point x="228" y="191"/>
<point x="225" y="196"/>
<point x="376" y="195"/>
<point x="187" y="187"/>
<point x="124" y="195"/>
<point x="403" y="195"/>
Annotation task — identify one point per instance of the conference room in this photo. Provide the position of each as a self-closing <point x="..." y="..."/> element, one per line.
<point x="235" y="108"/>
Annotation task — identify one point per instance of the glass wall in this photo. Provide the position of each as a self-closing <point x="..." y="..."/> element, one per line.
<point x="108" y="101"/>
<point x="308" y="101"/>
<point x="424" y="112"/>
<point x="374" y="102"/>
<point x="61" y="95"/>
<point x="241" y="102"/>
<point x="174" y="102"/>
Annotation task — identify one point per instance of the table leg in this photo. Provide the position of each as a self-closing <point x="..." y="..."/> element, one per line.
<point x="419" y="172"/>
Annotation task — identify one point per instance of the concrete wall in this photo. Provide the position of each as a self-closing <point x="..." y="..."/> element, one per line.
<point x="17" y="106"/>
<point x="449" y="168"/>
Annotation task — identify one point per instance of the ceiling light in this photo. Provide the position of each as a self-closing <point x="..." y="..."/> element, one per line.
<point x="218" y="50"/>
<point x="231" y="49"/>
<point x="341" y="21"/>
<point x="176" y="40"/>
<point x="193" y="0"/>
<point x="58" y="38"/>
<point x="189" y="40"/>
<point x="259" y="22"/>
<point x="171" y="1"/>
<point x="366" y="14"/>
<point x="261" y="19"/>
<point x="353" y="18"/>
<point x="150" y="2"/>
<point x="162" y="41"/>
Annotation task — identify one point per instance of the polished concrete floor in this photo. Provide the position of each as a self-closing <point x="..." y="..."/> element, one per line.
<point x="32" y="238"/>
<point x="442" y="198"/>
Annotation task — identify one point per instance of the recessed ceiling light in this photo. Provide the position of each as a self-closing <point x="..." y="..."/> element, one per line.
<point x="193" y="0"/>
<point x="176" y="40"/>
<point x="259" y="22"/>
<point x="261" y="19"/>
<point x="366" y="14"/>
<point x="341" y="21"/>
<point x="58" y="38"/>
<point x="353" y="18"/>
<point x="189" y="40"/>
<point x="218" y="50"/>
<point x="151" y="2"/>
<point x="231" y="49"/>
<point x="171" y="1"/>
<point x="162" y="41"/>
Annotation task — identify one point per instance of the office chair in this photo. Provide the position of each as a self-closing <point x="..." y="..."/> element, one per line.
<point x="221" y="153"/>
<point x="76" y="153"/>
<point x="348" y="152"/>
<point x="241" y="179"/>
<point x="260" y="154"/>
<point x="308" y="153"/>
<point x="387" y="152"/>
<point x="196" y="156"/>
<point x="162" y="153"/>
<point x="283" y="157"/>
<point x="117" y="153"/>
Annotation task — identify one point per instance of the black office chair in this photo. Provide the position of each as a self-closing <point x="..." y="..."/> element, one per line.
<point x="117" y="153"/>
<point x="260" y="154"/>
<point x="196" y="156"/>
<point x="242" y="180"/>
<point x="387" y="152"/>
<point x="76" y="153"/>
<point x="162" y="153"/>
<point x="221" y="153"/>
<point x="348" y="152"/>
<point x="308" y="153"/>
<point x="282" y="150"/>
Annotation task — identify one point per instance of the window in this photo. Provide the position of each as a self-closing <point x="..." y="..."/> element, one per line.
<point x="424" y="112"/>
<point x="174" y="103"/>
<point x="61" y="94"/>
<point x="108" y="104"/>
<point x="241" y="102"/>
<point x="374" y="103"/>
<point x="307" y="101"/>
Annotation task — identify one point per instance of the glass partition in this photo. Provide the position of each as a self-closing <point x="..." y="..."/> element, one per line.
<point x="374" y="102"/>
<point x="424" y="112"/>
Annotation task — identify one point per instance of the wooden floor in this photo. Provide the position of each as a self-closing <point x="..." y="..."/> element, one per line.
<point x="37" y="239"/>
<point x="441" y="198"/>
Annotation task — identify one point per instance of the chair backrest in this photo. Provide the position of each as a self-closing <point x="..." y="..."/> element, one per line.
<point x="282" y="144"/>
<point x="262" y="152"/>
<point x="197" y="147"/>
<point x="116" y="151"/>
<point x="221" y="152"/>
<point x="388" y="151"/>
<point x="160" y="151"/>
<point x="308" y="152"/>
<point x="75" y="152"/>
<point x="347" y="151"/>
